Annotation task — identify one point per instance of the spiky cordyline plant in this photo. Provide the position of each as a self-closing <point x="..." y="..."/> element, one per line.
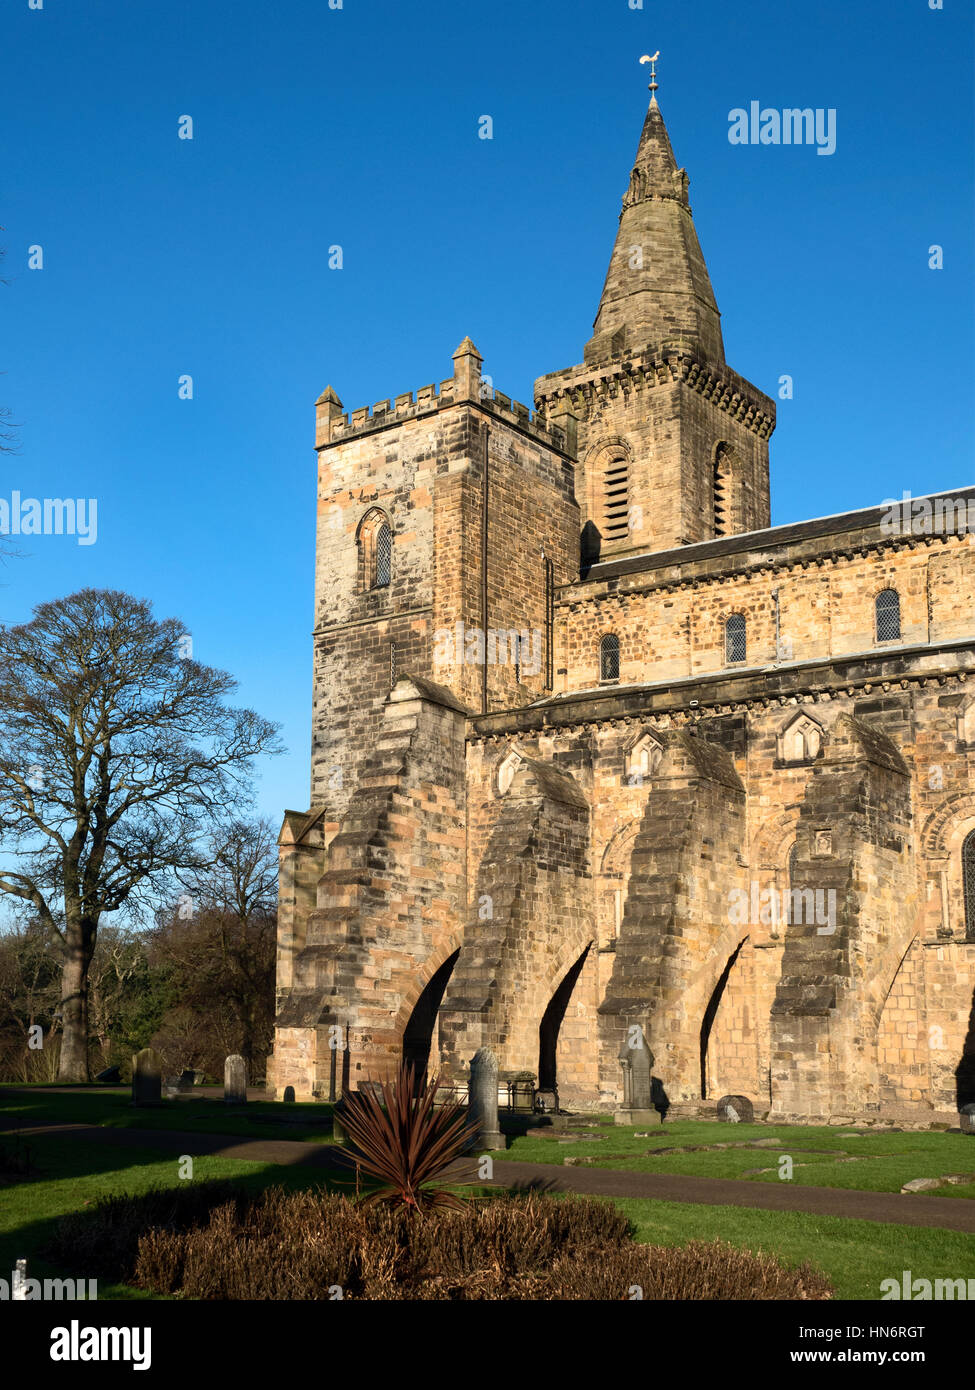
<point x="405" y="1141"/>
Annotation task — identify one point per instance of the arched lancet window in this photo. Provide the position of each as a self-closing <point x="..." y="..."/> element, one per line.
<point x="735" y="647"/>
<point x="375" y="541"/>
<point x="609" y="658"/>
<point x="968" y="882"/>
<point x="793" y="861"/>
<point x="384" y="556"/>
<point x="888" y="613"/>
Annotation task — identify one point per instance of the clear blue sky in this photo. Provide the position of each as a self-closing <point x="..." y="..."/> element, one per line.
<point x="358" y="126"/>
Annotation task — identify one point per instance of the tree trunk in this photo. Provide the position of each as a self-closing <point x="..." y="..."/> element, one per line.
<point x="74" y="1010"/>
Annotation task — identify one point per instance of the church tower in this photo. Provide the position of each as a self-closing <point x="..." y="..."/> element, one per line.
<point x="672" y="444"/>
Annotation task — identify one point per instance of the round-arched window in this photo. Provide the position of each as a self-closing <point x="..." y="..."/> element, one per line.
<point x="735" y="645"/>
<point x="888" y="614"/>
<point x="609" y="658"/>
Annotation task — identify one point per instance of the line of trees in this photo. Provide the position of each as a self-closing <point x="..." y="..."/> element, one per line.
<point x="197" y="984"/>
<point x="125" y="777"/>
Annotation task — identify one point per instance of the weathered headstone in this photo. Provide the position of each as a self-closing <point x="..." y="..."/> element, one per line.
<point x="482" y="1099"/>
<point x="147" y="1077"/>
<point x="111" y="1076"/>
<point x="235" y="1080"/>
<point x="966" y="1118"/>
<point x="736" y="1110"/>
<point x="636" y="1061"/>
<point x="289" y="1094"/>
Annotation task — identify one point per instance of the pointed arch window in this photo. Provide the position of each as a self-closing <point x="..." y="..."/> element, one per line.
<point x="375" y="541"/>
<point x="888" y="615"/>
<point x="609" y="658"/>
<point x="968" y="883"/>
<point x="735" y="643"/>
<point x="384" y="556"/>
<point x="793" y="862"/>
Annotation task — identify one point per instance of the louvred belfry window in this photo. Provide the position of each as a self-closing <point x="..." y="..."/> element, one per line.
<point x="616" y="498"/>
<point x="722" y="490"/>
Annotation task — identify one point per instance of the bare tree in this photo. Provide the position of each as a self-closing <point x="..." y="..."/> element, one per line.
<point x="29" y="990"/>
<point x="227" y="955"/>
<point x="116" y="753"/>
<point x="118" y="961"/>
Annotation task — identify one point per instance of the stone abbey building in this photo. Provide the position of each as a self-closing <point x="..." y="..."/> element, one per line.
<point x="599" y="754"/>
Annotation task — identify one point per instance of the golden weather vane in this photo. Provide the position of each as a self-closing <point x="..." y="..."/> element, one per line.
<point x="652" y="60"/>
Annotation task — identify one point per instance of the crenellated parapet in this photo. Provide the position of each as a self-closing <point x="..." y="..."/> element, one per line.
<point x="334" y="426"/>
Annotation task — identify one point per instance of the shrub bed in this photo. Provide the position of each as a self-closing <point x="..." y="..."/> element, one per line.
<point x="212" y="1243"/>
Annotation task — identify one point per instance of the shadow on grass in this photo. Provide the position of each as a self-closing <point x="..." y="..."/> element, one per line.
<point x="112" y="1108"/>
<point x="69" y="1177"/>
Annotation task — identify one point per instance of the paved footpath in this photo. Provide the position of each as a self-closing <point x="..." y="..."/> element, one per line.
<point x="902" y="1209"/>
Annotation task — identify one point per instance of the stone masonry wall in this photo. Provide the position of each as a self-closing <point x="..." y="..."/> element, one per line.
<point x="530" y="921"/>
<point x="672" y="628"/>
<point x="391" y="902"/>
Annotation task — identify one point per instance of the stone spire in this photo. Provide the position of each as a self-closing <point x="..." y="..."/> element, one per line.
<point x="657" y="289"/>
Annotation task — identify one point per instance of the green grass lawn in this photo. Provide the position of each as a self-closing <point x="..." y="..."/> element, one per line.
<point x="204" y="1115"/>
<point x="856" y="1255"/>
<point x="872" y="1161"/>
<point x="72" y="1174"/>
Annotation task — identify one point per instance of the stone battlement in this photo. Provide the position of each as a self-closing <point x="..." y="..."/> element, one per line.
<point x="334" y="425"/>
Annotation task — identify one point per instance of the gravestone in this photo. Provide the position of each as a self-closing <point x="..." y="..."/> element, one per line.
<point x="111" y="1076"/>
<point x="482" y="1099"/>
<point x="636" y="1061"/>
<point x="235" y="1080"/>
<point x="147" y="1077"/>
<point x="289" y="1094"/>
<point x="966" y="1118"/>
<point x="736" y="1110"/>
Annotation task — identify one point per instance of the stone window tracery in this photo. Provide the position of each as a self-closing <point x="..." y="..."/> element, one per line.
<point x="642" y="760"/>
<point x="375" y="542"/>
<point x="800" y="741"/>
<point x="506" y="770"/>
